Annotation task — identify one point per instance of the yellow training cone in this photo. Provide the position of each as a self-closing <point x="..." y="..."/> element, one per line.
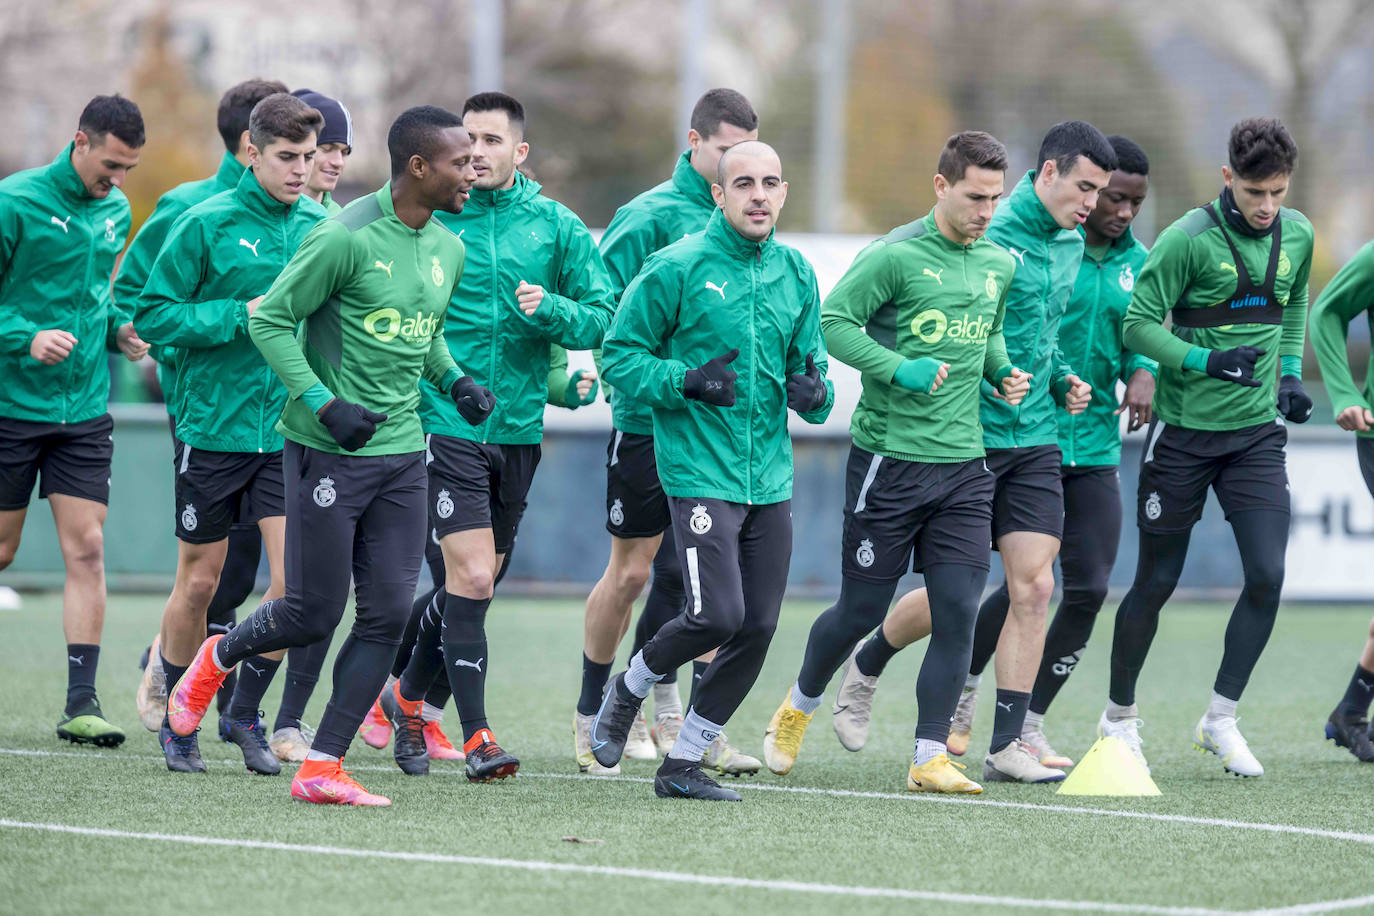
<point x="1109" y="768"/>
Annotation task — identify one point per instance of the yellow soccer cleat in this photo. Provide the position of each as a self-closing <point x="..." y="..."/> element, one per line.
<point x="783" y="740"/>
<point x="940" y="774"/>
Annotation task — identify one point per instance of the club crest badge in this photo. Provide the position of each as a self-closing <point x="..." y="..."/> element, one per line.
<point x="324" y="493"/>
<point x="700" y="522"/>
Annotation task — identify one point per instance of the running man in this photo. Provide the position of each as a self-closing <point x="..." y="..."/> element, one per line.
<point x="335" y="145"/>
<point x="61" y="228"/>
<point x="723" y="451"/>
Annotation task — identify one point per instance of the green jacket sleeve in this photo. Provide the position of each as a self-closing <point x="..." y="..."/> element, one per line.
<point x="863" y="289"/>
<point x="16" y="331"/>
<point x="648" y="312"/>
<point x="1161" y="283"/>
<point x="170" y="311"/>
<point x="440" y="369"/>
<point x="1132" y="361"/>
<point x="1295" y="314"/>
<point x="807" y="340"/>
<point x="138" y="261"/>
<point x="578" y="313"/>
<point x="558" y="376"/>
<point x="996" y="363"/>
<point x="1350" y="292"/>
<point x="625" y="245"/>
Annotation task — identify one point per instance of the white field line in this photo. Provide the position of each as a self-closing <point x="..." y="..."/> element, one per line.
<point x="801" y="887"/>
<point x="1330" y="906"/>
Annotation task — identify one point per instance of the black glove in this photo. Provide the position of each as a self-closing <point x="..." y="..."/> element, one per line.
<point x="1235" y="365"/>
<point x="351" y="425"/>
<point x="1294" y="403"/>
<point x="713" y="383"/>
<point x="474" y="402"/>
<point x="806" y="393"/>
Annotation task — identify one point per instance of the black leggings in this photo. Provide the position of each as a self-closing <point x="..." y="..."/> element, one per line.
<point x="666" y="598"/>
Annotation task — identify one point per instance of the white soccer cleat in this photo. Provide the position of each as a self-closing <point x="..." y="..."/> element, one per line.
<point x="1223" y="738"/>
<point x="1128" y="730"/>
<point x="665" y="731"/>
<point x="151" y="697"/>
<point x="291" y="745"/>
<point x="853" y="704"/>
<point x="582" y="748"/>
<point x="639" y="746"/>
<point x="1035" y="739"/>
<point x="1017" y="763"/>
<point x="728" y="760"/>
<point x="961" y="728"/>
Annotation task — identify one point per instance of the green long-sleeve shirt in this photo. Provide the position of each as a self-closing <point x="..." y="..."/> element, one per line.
<point x="372" y="293"/>
<point x="1350" y="292"/>
<point x="919" y="294"/>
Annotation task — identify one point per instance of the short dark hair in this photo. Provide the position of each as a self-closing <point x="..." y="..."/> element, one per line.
<point x="1129" y="156"/>
<point x="497" y="101"/>
<point x="112" y="114"/>
<point x="1068" y="140"/>
<point x="282" y="116"/>
<point x="971" y="148"/>
<point x="723" y="106"/>
<point x="413" y="134"/>
<point x="1262" y="147"/>
<point x="236" y="105"/>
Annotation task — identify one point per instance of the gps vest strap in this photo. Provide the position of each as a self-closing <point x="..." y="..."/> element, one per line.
<point x="1250" y="304"/>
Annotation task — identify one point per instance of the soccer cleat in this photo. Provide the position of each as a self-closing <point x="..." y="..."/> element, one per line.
<point x="582" y="748"/>
<point x="411" y="754"/>
<point x="247" y="734"/>
<point x="638" y="745"/>
<point x="665" y="731"/>
<point x="376" y="728"/>
<point x="486" y="762"/>
<point x="292" y="744"/>
<point x="612" y="723"/>
<point x="1352" y="733"/>
<point x="1128" y="730"/>
<point x="940" y="774"/>
<point x="326" y="782"/>
<point x="437" y="745"/>
<point x="87" y="725"/>
<point x="782" y="740"/>
<point x="728" y="760"/>
<point x="853" y="704"/>
<point x="1035" y="739"/>
<point x="182" y="754"/>
<point x="1016" y="763"/>
<point x="684" y="779"/>
<point x="191" y="696"/>
<point x="151" y="697"/>
<point x="1223" y="738"/>
<point x="962" y="726"/>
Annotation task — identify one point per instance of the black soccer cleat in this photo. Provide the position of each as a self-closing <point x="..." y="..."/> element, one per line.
<point x="486" y="761"/>
<point x="409" y="749"/>
<point x="182" y="754"/>
<point x="248" y="735"/>
<point x="684" y="779"/>
<point x="1351" y="732"/>
<point x="611" y="727"/>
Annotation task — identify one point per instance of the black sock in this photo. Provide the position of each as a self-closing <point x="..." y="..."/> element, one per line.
<point x="1358" y="694"/>
<point x="439" y="693"/>
<point x="82" y="660"/>
<point x="698" y="669"/>
<point x="1009" y="718"/>
<point x="226" y="691"/>
<point x="255" y="674"/>
<point x="303" y="665"/>
<point x="465" y="657"/>
<point x="425" y="662"/>
<point x="594" y="675"/>
<point x="172" y="672"/>
<point x="412" y="632"/>
<point x="875" y="655"/>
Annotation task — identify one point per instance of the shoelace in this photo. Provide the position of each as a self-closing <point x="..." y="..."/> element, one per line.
<point x="184" y="745"/>
<point x="622" y="717"/>
<point x="411" y="731"/>
<point x="789" y="736"/>
<point x="307" y="732"/>
<point x="202" y="691"/>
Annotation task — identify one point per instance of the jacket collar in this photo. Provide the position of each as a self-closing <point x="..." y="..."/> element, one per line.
<point x="944" y="241"/>
<point x="229" y="173"/>
<point x="253" y="196"/>
<point x="1025" y="203"/>
<point x="1120" y="245"/>
<point x="64" y="177"/>
<point x="1235" y="220"/>
<point x="523" y="189"/>
<point x="690" y="184"/>
<point x="724" y="236"/>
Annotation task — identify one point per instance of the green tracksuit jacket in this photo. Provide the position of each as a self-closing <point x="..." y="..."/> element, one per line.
<point x="513" y="235"/>
<point x="327" y="201"/>
<point x="693" y="301"/>
<point x="920" y="294"/>
<point x="220" y="254"/>
<point x="1348" y="294"/>
<point x="1190" y="266"/>
<point x="1090" y="339"/>
<point x="57" y="250"/>
<point x="372" y="294"/>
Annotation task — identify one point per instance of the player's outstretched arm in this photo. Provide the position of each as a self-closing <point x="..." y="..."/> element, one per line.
<point x="1349" y="294"/>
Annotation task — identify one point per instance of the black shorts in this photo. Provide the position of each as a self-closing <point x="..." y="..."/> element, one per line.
<point x="1364" y="450"/>
<point x="216" y="490"/>
<point x="1030" y="490"/>
<point x="73" y="459"/>
<point x="928" y="513"/>
<point x="478" y="485"/>
<point x="636" y="506"/>
<point x="1246" y="467"/>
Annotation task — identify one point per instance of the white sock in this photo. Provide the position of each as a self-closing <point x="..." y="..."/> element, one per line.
<point x="696" y="736"/>
<point x="214" y="657"/>
<point x="1117" y="712"/>
<point x="927" y="750"/>
<point x="667" y="702"/>
<point x="638" y="678"/>
<point x="431" y="713"/>
<point x="1221" y="707"/>
<point x="316" y="755"/>
<point x="1033" y="722"/>
<point x="803" y="703"/>
<point x="972" y="681"/>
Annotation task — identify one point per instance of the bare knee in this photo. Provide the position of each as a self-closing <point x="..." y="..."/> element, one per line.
<point x="9" y="548"/>
<point x="84" y="550"/>
<point x="473" y="580"/>
<point x="631" y="574"/>
<point x="1031" y="594"/>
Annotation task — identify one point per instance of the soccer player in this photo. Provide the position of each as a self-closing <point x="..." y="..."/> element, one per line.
<point x="931" y="295"/>
<point x="61" y="228"/>
<point x="722" y="448"/>
<point x="237" y="578"/>
<point x="1233" y="274"/>
<point x="637" y="512"/>
<point x="216" y="264"/>
<point x="534" y="278"/>
<point x="369" y="289"/>
<point x="1090" y="442"/>
<point x="335" y="146"/>
<point x="1350" y="294"/>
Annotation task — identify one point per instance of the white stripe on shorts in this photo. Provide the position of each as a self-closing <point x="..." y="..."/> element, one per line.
<point x="615" y="448"/>
<point x="694" y="576"/>
<point x="185" y="457"/>
<point x="868" y="482"/>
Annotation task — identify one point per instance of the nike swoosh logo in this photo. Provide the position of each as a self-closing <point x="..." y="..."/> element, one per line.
<point x="839" y="708"/>
<point x="1233" y="373"/>
<point x="683" y="789"/>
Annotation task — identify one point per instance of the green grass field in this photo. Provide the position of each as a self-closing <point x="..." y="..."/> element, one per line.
<point x="839" y="832"/>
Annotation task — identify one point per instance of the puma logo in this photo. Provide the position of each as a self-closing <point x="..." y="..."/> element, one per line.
<point x="1230" y="267"/>
<point x="251" y="247"/>
<point x="464" y="663"/>
<point x="1019" y="255"/>
<point x="386" y="267"/>
<point x="720" y="289"/>
<point x="1006" y="706"/>
<point x="934" y="273"/>
<point x="76" y="659"/>
<point x="62" y="223"/>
